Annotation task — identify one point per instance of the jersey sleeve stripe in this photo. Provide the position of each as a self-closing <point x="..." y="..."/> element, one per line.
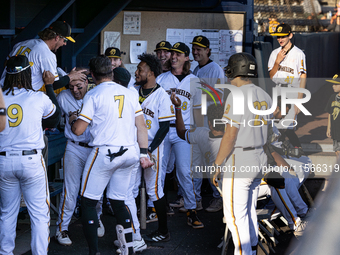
<point x="85" y="117"/>
<point x="171" y="116"/>
<point x="231" y="119"/>
<point x="51" y="112"/>
<point x="138" y="111"/>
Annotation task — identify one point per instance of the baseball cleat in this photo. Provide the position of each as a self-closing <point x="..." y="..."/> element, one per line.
<point x="178" y="203"/>
<point x="151" y="215"/>
<point x="100" y="229"/>
<point x="216" y="205"/>
<point x="138" y="246"/>
<point x="63" y="237"/>
<point x="193" y="220"/>
<point x="300" y="228"/>
<point x="156" y="236"/>
<point x="170" y="211"/>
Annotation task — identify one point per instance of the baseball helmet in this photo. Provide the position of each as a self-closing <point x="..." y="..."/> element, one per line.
<point x="241" y="64"/>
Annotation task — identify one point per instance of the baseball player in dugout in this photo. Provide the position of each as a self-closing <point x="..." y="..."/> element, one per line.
<point x="210" y="73"/>
<point x="115" y="55"/>
<point x="114" y="114"/>
<point x="22" y="167"/>
<point x="207" y="140"/>
<point x="163" y="54"/>
<point x="287" y="68"/>
<point x="156" y="106"/>
<point x="242" y="147"/>
<point x="76" y="153"/>
<point x="207" y="70"/>
<point x="41" y="55"/>
<point x="178" y="79"/>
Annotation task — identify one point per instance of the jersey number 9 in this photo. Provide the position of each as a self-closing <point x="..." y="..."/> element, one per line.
<point x="14" y="112"/>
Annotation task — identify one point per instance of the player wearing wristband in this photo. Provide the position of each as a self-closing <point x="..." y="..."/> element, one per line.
<point x="156" y="106"/>
<point x="113" y="112"/>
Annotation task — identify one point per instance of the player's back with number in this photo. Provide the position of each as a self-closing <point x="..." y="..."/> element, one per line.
<point x="25" y="111"/>
<point x="113" y="117"/>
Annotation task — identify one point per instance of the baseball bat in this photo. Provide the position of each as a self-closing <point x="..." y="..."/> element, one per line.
<point x="142" y="203"/>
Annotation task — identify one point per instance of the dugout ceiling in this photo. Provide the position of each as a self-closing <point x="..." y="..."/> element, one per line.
<point x="23" y="19"/>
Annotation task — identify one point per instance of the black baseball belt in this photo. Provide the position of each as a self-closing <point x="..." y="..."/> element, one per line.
<point x="251" y="148"/>
<point x="24" y="153"/>
<point x="82" y="144"/>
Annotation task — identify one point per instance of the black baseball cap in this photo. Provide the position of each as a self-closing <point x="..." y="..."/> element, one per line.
<point x="122" y="75"/>
<point x="201" y="41"/>
<point x="63" y="29"/>
<point x="113" y="52"/>
<point x="17" y="64"/>
<point x="181" y="48"/>
<point x="282" y="30"/>
<point x="163" y="45"/>
<point x="335" y="80"/>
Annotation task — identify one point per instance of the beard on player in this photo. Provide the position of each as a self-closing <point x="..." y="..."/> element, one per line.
<point x="142" y="82"/>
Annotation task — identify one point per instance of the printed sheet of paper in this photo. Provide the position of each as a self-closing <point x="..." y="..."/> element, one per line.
<point x="137" y="48"/>
<point x="174" y="35"/>
<point x="230" y="43"/>
<point x="111" y="39"/>
<point x="132" y="23"/>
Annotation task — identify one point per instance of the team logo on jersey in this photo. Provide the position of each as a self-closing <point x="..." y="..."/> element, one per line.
<point x="162" y="44"/>
<point x="227" y="109"/>
<point x="176" y="45"/>
<point x="199" y="39"/>
<point x="218" y="81"/>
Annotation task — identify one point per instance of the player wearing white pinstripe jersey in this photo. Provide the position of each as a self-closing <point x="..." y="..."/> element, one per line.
<point x="184" y="84"/>
<point x="22" y="167"/>
<point x="242" y="146"/>
<point x="114" y="113"/>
